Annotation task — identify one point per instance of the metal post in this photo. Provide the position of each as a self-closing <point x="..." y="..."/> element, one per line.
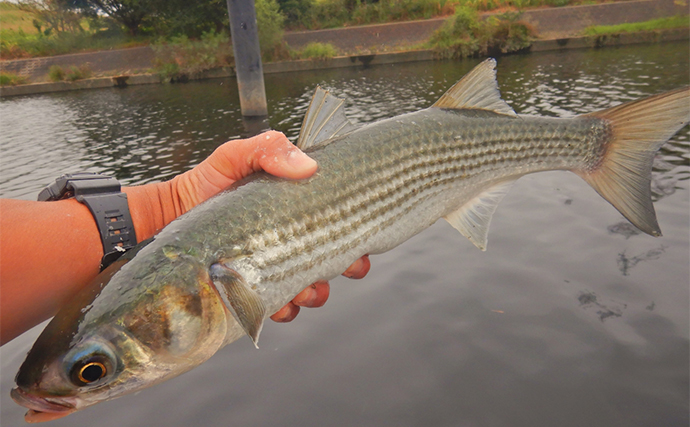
<point x="245" y="44"/>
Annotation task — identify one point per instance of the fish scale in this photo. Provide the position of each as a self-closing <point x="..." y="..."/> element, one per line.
<point x="216" y="273"/>
<point x="349" y="218"/>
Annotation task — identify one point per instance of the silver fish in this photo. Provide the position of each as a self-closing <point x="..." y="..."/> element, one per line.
<point x="215" y="274"/>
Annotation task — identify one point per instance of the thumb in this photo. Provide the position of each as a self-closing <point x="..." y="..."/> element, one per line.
<point x="234" y="160"/>
<point x="275" y="154"/>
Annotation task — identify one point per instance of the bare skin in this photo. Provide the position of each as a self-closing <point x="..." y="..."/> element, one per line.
<point x="50" y="250"/>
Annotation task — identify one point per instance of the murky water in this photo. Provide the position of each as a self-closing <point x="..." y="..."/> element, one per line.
<point x="571" y="318"/>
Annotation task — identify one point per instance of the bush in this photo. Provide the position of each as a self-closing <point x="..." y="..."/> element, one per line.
<point x="78" y="73"/>
<point x="56" y="73"/>
<point x="296" y="12"/>
<point x="466" y="34"/>
<point x="180" y="58"/>
<point x="11" y="79"/>
<point x="316" y="50"/>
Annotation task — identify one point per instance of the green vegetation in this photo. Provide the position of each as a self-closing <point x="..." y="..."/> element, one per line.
<point x="57" y="74"/>
<point x="679" y="21"/>
<point x="317" y="51"/>
<point x="33" y="29"/>
<point x="466" y="34"/>
<point x="181" y="59"/>
<point x="485" y="5"/>
<point x="316" y="14"/>
<point x="11" y="18"/>
<point x="11" y="79"/>
<point x="78" y="73"/>
<point x="270" y="23"/>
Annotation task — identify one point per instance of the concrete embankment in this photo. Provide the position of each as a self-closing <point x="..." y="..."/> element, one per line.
<point x="381" y="44"/>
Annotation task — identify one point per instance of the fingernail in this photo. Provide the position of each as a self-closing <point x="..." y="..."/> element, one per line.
<point x="298" y="160"/>
<point x="306" y="298"/>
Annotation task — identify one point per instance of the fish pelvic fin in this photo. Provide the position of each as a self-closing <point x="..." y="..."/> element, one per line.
<point x="638" y="129"/>
<point x="473" y="218"/>
<point x="244" y="303"/>
<point x="477" y="90"/>
<point x="325" y="119"/>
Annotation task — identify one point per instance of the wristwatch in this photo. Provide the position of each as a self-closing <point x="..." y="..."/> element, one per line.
<point x="108" y="205"/>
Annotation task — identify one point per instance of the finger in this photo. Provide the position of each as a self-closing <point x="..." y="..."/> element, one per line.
<point x="359" y="268"/>
<point x="286" y="314"/>
<point x="279" y="157"/>
<point x="314" y="295"/>
<point x="270" y="151"/>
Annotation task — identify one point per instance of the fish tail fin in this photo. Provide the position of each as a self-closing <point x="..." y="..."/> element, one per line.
<point x="638" y="129"/>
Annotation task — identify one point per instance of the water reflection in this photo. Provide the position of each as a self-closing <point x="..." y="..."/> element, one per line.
<point x="589" y="300"/>
<point x="625" y="262"/>
<point x="624" y="229"/>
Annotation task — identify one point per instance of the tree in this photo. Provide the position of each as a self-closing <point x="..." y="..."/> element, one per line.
<point x="56" y="15"/>
<point x="130" y="13"/>
<point x="176" y="17"/>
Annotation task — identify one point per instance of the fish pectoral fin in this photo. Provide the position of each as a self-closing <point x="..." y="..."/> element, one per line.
<point x="244" y="303"/>
<point x="473" y="218"/>
<point x="478" y="89"/>
<point x="325" y="119"/>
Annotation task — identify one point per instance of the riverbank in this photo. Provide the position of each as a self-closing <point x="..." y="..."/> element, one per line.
<point x="558" y="28"/>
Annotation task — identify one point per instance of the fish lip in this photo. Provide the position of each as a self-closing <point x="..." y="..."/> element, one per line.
<point x="42" y="404"/>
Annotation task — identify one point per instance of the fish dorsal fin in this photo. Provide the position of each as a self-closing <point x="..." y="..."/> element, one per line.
<point x="324" y="120"/>
<point x="478" y="89"/>
<point x="244" y="303"/>
<point x="473" y="218"/>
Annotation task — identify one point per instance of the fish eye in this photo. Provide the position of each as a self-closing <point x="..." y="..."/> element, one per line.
<point x="92" y="369"/>
<point x="91" y="372"/>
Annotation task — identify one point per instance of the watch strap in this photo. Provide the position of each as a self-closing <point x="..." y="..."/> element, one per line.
<point x="111" y="212"/>
<point x="107" y="204"/>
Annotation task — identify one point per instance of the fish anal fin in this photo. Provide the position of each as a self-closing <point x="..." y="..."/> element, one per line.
<point x="478" y="89"/>
<point x="474" y="217"/>
<point x="325" y="119"/>
<point x="637" y="130"/>
<point x="245" y="305"/>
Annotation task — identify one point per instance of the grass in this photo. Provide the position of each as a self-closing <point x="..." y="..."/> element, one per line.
<point x="20" y="38"/>
<point x="73" y="73"/>
<point x="14" y="19"/>
<point x="316" y="50"/>
<point x="181" y="59"/>
<point x="338" y="13"/>
<point x="11" y="79"/>
<point x="678" y="21"/>
<point x="18" y="44"/>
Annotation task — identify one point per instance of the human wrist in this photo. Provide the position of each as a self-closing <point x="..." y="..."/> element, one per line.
<point x="152" y="207"/>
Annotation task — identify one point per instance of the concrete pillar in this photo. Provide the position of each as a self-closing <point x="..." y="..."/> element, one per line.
<point x="245" y="45"/>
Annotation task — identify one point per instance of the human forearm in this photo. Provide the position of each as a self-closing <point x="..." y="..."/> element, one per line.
<point x="49" y="251"/>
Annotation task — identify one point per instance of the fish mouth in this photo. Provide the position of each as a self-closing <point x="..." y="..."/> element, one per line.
<point x="56" y="406"/>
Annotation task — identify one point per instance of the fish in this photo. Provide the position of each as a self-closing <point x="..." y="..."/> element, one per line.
<point x="214" y="275"/>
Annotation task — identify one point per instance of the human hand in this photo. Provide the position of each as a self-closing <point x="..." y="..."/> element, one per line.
<point x="271" y="152"/>
<point x="316" y="294"/>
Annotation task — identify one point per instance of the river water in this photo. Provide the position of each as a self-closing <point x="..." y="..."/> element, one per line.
<point x="571" y="318"/>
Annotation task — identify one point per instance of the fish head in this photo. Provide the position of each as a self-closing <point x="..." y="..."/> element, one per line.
<point x="135" y="326"/>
